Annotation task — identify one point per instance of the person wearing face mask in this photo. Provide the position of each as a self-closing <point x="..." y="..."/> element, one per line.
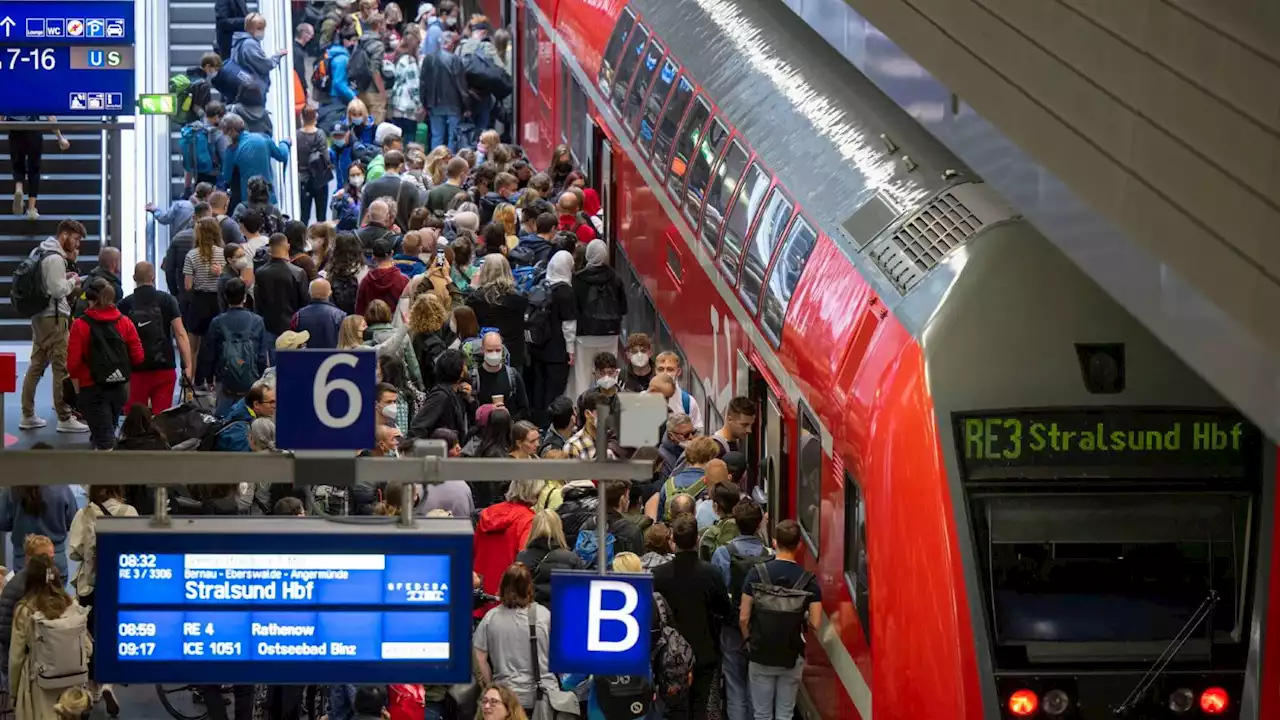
<point x="583" y="443"/>
<point x="602" y="303"/>
<point x="674" y="441"/>
<point x="604" y="380"/>
<point x="640" y="369"/>
<point x="388" y="405"/>
<point x="247" y="52"/>
<point x="497" y="382"/>
<point x="346" y="202"/>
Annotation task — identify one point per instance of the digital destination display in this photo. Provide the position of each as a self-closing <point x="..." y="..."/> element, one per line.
<point x="1184" y="443"/>
<point x="67" y="58"/>
<point x="384" y="600"/>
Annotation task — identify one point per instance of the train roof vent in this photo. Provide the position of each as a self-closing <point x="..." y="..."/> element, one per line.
<point x="908" y="252"/>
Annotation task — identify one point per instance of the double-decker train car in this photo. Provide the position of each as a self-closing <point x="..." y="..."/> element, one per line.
<point x="1017" y="501"/>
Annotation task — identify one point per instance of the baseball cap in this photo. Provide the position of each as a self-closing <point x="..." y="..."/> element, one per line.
<point x="385" y="130"/>
<point x="340" y="128"/>
<point x="290" y="340"/>
<point x="425" y="9"/>
<point x="383" y="248"/>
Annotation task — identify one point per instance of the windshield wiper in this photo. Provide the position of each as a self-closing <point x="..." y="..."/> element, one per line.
<point x="1171" y="650"/>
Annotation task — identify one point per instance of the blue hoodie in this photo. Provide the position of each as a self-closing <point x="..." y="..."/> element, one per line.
<point x="252" y="155"/>
<point x="54" y="522"/>
<point x="339" y="59"/>
<point x="235" y="436"/>
<point x="542" y="250"/>
<point x="247" y="52"/>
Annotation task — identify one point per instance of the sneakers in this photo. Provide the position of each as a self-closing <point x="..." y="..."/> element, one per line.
<point x="32" y="422"/>
<point x="32" y="214"/>
<point x="72" y="425"/>
<point x="17" y="202"/>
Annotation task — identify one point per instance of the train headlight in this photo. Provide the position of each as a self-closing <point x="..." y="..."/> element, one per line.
<point x="1023" y="703"/>
<point x="1056" y="702"/>
<point x="1214" y="701"/>
<point x="1182" y="700"/>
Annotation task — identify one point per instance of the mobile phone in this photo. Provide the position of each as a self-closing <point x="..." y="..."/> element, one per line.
<point x="440" y="257"/>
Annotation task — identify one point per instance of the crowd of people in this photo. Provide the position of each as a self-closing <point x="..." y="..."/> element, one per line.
<point x="484" y="288"/>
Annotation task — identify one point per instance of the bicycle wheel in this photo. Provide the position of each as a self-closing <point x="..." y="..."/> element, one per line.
<point x="182" y="702"/>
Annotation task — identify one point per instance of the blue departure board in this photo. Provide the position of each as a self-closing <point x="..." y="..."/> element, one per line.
<point x="66" y="58"/>
<point x="283" y="600"/>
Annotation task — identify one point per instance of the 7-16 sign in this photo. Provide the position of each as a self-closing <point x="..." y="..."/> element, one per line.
<point x="325" y="399"/>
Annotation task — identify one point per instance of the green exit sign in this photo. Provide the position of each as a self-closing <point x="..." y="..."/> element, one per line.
<point x="157" y="104"/>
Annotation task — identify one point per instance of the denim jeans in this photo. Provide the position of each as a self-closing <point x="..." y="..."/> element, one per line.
<point x="774" y="690"/>
<point x="444" y="128"/>
<point x="733" y="665"/>
<point x="482" y="113"/>
<point x="435" y="711"/>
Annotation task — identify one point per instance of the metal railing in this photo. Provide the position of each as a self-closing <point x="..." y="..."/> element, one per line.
<point x="280" y="100"/>
<point x="146" y="168"/>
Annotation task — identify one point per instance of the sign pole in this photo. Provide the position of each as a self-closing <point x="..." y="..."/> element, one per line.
<point x="602" y="512"/>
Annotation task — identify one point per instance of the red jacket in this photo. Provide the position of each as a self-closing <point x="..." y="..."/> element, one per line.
<point x="383" y="284"/>
<point x="585" y="232"/>
<point x="78" y="344"/>
<point x="501" y="534"/>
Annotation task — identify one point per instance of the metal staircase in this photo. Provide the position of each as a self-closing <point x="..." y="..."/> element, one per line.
<point x="71" y="187"/>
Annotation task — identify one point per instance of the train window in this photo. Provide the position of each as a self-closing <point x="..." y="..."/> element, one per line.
<point x="700" y="174"/>
<point x="642" y="317"/>
<point x="809" y="476"/>
<point x="750" y="198"/>
<point x="653" y="105"/>
<point x="616" y="41"/>
<point x="786" y="276"/>
<point x="640" y="87"/>
<point x="722" y="188"/>
<point x="566" y="82"/>
<point x="856" y="568"/>
<point x="664" y="335"/>
<point x="627" y="66"/>
<point x="578" y="122"/>
<point x="530" y="49"/>
<point x="690" y="134"/>
<point x="665" y="135"/>
<point x="773" y="222"/>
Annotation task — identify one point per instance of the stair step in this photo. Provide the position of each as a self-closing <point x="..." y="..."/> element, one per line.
<point x="35" y="230"/>
<point x="65" y="182"/>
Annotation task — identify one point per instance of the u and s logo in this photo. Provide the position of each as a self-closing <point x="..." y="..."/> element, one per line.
<point x="104" y="58"/>
<point x="600" y="623"/>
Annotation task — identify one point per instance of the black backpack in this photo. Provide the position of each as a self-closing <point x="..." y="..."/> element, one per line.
<point x="364" y="63"/>
<point x="778" y="616"/>
<point x="313" y="152"/>
<point x="27" y="292"/>
<point x="602" y="299"/>
<point x="345" y="288"/>
<point x="537" y="317"/>
<point x="483" y="75"/>
<point x="108" y="354"/>
<point x="739" y="567"/>
<point x="622" y="697"/>
<point x="153" y="333"/>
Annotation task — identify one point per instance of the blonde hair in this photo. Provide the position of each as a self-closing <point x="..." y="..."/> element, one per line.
<point x="494" y="278"/>
<point x="427" y="314"/>
<point x="357" y="107"/>
<point x="437" y="160"/>
<point x="506" y="212"/>
<point x="525" y="492"/>
<point x="73" y="704"/>
<point x="349" y="333"/>
<point x="627" y="562"/>
<point x="546" y="524"/>
<point x="208" y="236"/>
<point x="490" y="140"/>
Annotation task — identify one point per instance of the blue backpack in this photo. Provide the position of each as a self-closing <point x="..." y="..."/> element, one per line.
<point x="199" y="153"/>
<point x="527" y="276"/>
<point x="230" y="79"/>
<point x="238" y="367"/>
<point x="588" y="548"/>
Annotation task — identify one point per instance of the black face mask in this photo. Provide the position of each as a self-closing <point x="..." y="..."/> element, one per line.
<point x="564" y="168"/>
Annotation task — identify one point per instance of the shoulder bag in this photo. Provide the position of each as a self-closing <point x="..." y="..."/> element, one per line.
<point x="548" y="703"/>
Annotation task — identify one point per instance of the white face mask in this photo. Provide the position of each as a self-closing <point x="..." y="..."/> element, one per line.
<point x="389" y="412"/>
<point x="493" y="358"/>
<point x="240" y="263"/>
<point x="357" y="181"/>
<point x="608" y="382"/>
<point x="640" y="359"/>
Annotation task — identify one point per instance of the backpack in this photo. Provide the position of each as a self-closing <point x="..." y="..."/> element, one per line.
<point x="526" y="276"/>
<point x="322" y="75"/>
<point x="778" y="616"/>
<point x="588" y="548"/>
<point x="199" y="151"/>
<point x="686" y="401"/>
<point x="739" y="566"/>
<point x="153" y="333"/>
<point x="670" y="492"/>
<point x="672" y="659"/>
<point x="537" y="317"/>
<point x="27" y="292"/>
<point x="622" y="697"/>
<point x="406" y="702"/>
<point x="511" y="376"/>
<point x="60" y="649"/>
<point x="483" y="75"/>
<point x="314" y="157"/>
<point x="191" y="97"/>
<point x="345" y="288"/>
<point x="209" y="440"/>
<point x="603" y="302"/>
<point x="233" y="77"/>
<point x="716" y="536"/>
<point x="522" y="255"/>
<point x="108" y="353"/>
<point x="364" y="63"/>
<point x="238" y="366"/>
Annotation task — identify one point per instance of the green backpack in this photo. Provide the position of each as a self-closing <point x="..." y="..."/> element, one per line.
<point x="716" y="536"/>
<point x="670" y="492"/>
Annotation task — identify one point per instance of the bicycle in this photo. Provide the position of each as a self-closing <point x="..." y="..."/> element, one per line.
<point x="185" y="702"/>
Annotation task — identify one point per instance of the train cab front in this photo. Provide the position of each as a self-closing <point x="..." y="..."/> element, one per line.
<point x="1116" y="550"/>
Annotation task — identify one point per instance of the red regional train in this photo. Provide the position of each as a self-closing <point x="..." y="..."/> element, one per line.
<point x="1018" y="502"/>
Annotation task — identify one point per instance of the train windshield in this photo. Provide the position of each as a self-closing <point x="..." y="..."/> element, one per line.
<point x="1114" y="576"/>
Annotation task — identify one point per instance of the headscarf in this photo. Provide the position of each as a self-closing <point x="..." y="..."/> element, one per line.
<point x="590" y="202"/>
<point x="597" y="253"/>
<point x="560" y="269"/>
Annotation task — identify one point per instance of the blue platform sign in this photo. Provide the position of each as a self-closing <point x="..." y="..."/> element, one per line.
<point x="283" y="601"/>
<point x="325" y="399"/>
<point x="66" y="58"/>
<point x="600" y="623"/>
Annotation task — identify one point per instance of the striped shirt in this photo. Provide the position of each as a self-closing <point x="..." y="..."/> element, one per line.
<point x="204" y="278"/>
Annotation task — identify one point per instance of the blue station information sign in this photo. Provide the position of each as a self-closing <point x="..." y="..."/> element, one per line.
<point x="283" y="601"/>
<point x="66" y="58"/>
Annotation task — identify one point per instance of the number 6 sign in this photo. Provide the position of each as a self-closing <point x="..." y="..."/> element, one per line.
<point x="325" y="399"/>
